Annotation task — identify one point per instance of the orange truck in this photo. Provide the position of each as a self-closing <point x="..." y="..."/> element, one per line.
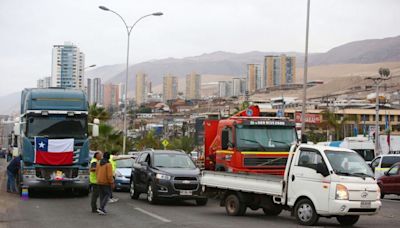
<point x="248" y="143"/>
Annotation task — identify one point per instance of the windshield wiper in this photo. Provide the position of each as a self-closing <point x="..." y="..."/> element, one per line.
<point x="255" y="141"/>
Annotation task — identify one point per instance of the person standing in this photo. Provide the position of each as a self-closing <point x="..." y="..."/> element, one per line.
<point x="105" y="181"/>
<point x="93" y="180"/>
<point x="12" y="172"/>
<point x="114" y="167"/>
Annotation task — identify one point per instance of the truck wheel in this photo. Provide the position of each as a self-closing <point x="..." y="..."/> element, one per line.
<point x="201" y="202"/>
<point x="273" y="211"/>
<point x="348" y="220"/>
<point x="151" y="196"/>
<point x="133" y="192"/>
<point x="305" y="213"/>
<point x="233" y="206"/>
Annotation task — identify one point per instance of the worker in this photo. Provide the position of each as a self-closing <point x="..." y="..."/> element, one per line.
<point x="93" y="180"/>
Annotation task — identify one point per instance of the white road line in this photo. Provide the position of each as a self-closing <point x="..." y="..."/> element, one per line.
<point x="151" y="214"/>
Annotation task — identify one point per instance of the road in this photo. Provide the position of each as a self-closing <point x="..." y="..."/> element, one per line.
<point x="58" y="209"/>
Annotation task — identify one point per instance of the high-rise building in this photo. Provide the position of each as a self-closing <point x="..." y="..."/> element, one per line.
<point x="121" y="92"/>
<point x="236" y="87"/>
<point x="225" y="88"/>
<point x="279" y="70"/>
<point x="111" y="96"/>
<point x="89" y="90"/>
<point x="141" y="93"/>
<point x="170" y="87"/>
<point x="193" y="86"/>
<point x="68" y="64"/>
<point x="253" y="77"/>
<point x="44" y="82"/>
<point x="93" y="91"/>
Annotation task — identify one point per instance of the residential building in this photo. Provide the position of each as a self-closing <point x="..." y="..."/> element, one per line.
<point x="193" y="86"/>
<point x="68" y="64"/>
<point x="141" y="83"/>
<point x="121" y="92"/>
<point x="44" y="82"/>
<point x="89" y="90"/>
<point x="225" y="88"/>
<point x="237" y="89"/>
<point x="279" y="70"/>
<point x="253" y="77"/>
<point x="170" y="87"/>
<point x="111" y="95"/>
<point x="97" y="91"/>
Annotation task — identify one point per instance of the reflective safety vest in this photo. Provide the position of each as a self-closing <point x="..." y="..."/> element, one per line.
<point x="92" y="175"/>
<point x="113" y="163"/>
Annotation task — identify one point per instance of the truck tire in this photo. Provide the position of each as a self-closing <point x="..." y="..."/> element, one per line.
<point x="201" y="202"/>
<point x="151" y="195"/>
<point x="133" y="191"/>
<point x="305" y="212"/>
<point x="348" y="220"/>
<point x="233" y="206"/>
<point x="273" y="211"/>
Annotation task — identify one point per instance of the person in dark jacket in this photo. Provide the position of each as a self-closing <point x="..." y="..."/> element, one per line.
<point x="105" y="181"/>
<point x="12" y="172"/>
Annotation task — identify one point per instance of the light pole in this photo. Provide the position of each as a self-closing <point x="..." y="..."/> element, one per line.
<point x="303" y="108"/>
<point x="128" y="30"/>
<point x="384" y="74"/>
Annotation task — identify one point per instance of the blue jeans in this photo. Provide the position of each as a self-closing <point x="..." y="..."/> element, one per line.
<point x="11" y="182"/>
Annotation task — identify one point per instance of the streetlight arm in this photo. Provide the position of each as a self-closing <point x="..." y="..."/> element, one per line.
<point x="130" y="29"/>
<point x="126" y="25"/>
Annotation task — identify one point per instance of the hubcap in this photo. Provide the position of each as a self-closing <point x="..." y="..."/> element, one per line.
<point x="150" y="194"/>
<point x="231" y="206"/>
<point x="305" y="212"/>
<point x="132" y="188"/>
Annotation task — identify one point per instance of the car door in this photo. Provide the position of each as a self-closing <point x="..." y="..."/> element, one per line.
<point x="305" y="181"/>
<point x="140" y="171"/>
<point x="391" y="178"/>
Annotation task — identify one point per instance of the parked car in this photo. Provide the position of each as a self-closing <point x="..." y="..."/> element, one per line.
<point x="123" y="172"/>
<point x="383" y="162"/>
<point x="390" y="182"/>
<point x="166" y="174"/>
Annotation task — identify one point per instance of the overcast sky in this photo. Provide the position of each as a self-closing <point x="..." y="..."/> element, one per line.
<point x="29" y="29"/>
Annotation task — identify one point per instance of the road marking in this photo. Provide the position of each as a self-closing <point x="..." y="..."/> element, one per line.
<point x="151" y="214"/>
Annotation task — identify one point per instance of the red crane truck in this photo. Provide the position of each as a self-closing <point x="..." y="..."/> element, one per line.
<point x="248" y="143"/>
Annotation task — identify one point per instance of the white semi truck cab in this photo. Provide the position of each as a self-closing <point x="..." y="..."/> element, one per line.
<point x="319" y="181"/>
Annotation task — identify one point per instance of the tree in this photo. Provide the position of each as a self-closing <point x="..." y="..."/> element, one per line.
<point x="184" y="143"/>
<point x="98" y="112"/>
<point x="109" y="140"/>
<point x="332" y="122"/>
<point x="148" y="141"/>
<point x="242" y="106"/>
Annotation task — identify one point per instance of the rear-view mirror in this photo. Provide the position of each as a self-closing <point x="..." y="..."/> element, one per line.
<point x="321" y="169"/>
<point x="304" y="138"/>
<point x="225" y="139"/>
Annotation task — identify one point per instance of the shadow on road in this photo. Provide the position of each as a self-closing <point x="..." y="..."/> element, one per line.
<point x="54" y="194"/>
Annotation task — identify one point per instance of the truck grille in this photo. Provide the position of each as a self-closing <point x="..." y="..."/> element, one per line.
<point x="262" y="162"/>
<point x="181" y="186"/>
<point x="47" y="172"/>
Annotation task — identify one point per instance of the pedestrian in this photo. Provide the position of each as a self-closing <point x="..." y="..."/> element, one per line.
<point x="114" y="167"/>
<point x="93" y="180"/>
<point x="105" y="181"/>
<point x="12" y="172"/>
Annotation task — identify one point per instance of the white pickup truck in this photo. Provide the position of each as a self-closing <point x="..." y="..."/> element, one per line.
<point x="319" y="181"/>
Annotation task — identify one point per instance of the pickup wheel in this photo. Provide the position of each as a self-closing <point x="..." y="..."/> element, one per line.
<point x="233" y="206"/>
<point x="305" y="212"/>
<point x="273" y="211"/>
<point x="348" y="220"/>
<point x="133" y="192"/>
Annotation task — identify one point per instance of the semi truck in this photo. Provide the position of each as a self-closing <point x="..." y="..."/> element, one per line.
<point x="248" y="143"/>
<point x="51" y="115"/>
<point x="318" y="181"/>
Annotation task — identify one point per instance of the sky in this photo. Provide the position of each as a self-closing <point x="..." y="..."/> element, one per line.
<point x="29" y="29"/>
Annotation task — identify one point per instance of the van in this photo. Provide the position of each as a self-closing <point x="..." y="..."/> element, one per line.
<point x="383" y="162"/>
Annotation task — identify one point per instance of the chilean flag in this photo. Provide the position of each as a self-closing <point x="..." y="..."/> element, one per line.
<point x="54" y="151"/>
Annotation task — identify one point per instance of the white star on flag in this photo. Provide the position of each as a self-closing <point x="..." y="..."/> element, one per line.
<point x="41" y="145"/>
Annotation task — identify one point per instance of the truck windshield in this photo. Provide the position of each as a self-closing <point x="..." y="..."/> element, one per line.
<point x="57" y="126"/>
<point x="348" y="163"/>
<point x="264" y="138"/>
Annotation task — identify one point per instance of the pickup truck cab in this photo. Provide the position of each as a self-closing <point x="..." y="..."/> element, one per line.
<point x="319" y="181"/>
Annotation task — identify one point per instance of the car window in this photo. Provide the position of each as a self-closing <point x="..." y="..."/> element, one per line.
<point x="310" y="159"/>
<point x="394" y="171"/>
<point x="388" y="161"/>
<point x="375" y="162"/>
<point x="143" y="157"/>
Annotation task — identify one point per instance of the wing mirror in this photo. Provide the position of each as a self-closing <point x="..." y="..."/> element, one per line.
<point x="304" y="138"/>
<point x="225" y="139"/>
<point x="321" y="169"/>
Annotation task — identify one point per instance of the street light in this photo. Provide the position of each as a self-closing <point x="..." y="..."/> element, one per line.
<point x="128" y="30"/>
<point x="384" y="74"/>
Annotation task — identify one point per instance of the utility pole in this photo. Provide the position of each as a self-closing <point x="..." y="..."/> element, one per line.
<point x="303" y="109"/>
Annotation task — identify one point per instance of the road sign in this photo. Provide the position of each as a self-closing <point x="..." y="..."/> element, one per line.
<point x="165" y="143"/>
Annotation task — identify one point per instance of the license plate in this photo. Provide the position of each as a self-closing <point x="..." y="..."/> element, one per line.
<point x="185" y="193"/>
<point x="365" y="204"/>
<point x="56" y="183"/>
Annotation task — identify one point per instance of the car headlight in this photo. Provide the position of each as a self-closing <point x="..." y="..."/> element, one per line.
<point x="378" y="193"/>
<point x="341" y="192"/>
<point x="163" y="176"/>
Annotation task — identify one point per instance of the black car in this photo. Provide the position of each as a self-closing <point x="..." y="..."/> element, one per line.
<point x="166" y="175"/>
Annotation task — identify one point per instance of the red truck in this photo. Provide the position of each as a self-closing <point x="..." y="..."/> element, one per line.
<point x="248" y="143"/>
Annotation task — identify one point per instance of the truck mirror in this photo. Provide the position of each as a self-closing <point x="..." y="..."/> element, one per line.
<point x="225" y="139"/>
<point x="304" y="138"/>
<point x="321" y="168"/>
<point x="17" y="129"/>
<point x="95" y="130"/>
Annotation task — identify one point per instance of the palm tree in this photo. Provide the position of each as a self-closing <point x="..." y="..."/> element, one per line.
<point x="331" y="122"/>
<point x="98" y="112"/>
<point x="109" y="140"/>
<point x="242" y="106"/>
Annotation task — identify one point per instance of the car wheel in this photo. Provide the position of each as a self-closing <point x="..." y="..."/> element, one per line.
<point x="201" y="202"/>
<point x="233" y="206"/>
<point x="133" y="192"/>
<point x="348" y="220"/>
<point x="151" y="197"/>
<point x="305" y="213"/>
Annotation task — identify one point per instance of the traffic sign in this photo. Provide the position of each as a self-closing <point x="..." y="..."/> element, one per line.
<point x="165" y="143"/>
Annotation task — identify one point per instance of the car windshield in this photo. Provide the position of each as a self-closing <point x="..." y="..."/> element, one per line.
<point x="173" y="161"/>
<point x="348" y="163"/>
<point x="264" y="138"/>
<point x="125" y="163"/>
<point x="57" y="126"/>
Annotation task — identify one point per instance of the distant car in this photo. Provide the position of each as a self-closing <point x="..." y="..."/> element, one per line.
<point x="166" y="174"/>
<point x="390" y="182"/>
<point x="123" y="172"/>
<point x="383" y="162"/>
